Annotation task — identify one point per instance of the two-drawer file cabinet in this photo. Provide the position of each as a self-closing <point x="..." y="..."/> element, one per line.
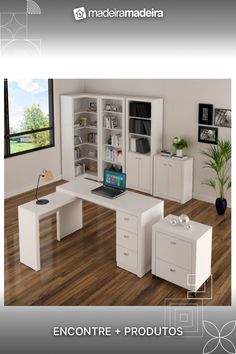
<point x="180" y="255"/>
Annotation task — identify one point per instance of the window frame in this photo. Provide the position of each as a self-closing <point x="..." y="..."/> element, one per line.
<point x="8" y="135"/>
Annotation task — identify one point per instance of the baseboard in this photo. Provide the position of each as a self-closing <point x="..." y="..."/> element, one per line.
<point x="208" y="198"/>
<point x="28" y="188"/>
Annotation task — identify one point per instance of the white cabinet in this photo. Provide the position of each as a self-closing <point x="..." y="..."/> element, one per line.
<point x="144" y="120"/>
<point x="173" y="178"/>
<point x="180" y="255"/>
<point x="138" y="172"/>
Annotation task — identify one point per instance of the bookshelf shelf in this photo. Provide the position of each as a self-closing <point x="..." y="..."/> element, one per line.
<point x="113" y="162"/>
<point x="80" y="138"/>
<point x="141" y="135"/>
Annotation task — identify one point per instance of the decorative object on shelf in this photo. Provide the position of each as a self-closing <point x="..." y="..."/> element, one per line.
<point x="108" y="107"/>
<point x="114" y="108"/>
<point x="92" y="107"/>
<point x="222" y="118"/>
<point x="179" y="144"/>
<point x="83" y="121"/>
<point x="208" y="135"/>
<point x="218" y="159"/>
<point x="205" y="114"/>
<point x="166" y="153"/>
<point x="46" y="176"/>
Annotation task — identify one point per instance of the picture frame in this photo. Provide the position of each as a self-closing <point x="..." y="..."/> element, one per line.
<point x="207" y="135"/>
<point x="205" y="114"/>
<point x="222" y="117"/>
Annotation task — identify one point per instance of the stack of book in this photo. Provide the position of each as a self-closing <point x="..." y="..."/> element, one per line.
<point x="140" y="109"/>
<point x="110" y="122"/>
<point x="140" y="145"/>
<point x="112" y="155"/>
<point x="138" y="126"/>
<point x="116" y="140"/>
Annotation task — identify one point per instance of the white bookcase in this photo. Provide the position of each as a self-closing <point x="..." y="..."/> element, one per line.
<point x="112" y="127"/>
<point x="144" y="124"/>
<point x="80" y="126"/>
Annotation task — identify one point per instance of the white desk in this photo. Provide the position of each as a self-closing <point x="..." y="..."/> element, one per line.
<point x="135" y="215"/>
<point x="68" y="210"/>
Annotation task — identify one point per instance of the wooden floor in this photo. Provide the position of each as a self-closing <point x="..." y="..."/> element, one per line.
<point x="81" y="269"/>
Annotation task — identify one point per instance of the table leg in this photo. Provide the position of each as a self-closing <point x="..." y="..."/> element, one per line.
<point x="69" y="219"/>
<point x="29" y="238"/>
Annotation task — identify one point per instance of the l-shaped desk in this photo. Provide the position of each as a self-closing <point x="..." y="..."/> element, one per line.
<point x="135" y="215"/>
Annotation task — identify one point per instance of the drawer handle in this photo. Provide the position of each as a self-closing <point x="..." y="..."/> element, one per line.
<point x="172" y="242"/>
<point x="126" y="254"/>
<point x="126" y="219"/>
<point x="172" y="269"/>
<point x="126" y="236"/>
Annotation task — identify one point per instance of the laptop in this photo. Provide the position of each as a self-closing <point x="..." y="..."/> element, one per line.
<point x="114" y="184"/>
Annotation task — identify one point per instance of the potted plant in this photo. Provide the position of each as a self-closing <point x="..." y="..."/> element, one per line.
<point x="179" y="144"/>
<point x="218" y="159"/>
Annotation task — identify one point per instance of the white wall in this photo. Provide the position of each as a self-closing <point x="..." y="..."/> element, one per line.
<point x="181" y="99"/>
<point x="21" y="172"/>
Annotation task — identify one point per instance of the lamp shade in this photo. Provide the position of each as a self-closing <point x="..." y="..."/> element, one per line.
<point x="47" y="176"/>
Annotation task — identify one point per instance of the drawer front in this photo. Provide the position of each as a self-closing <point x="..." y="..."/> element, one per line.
<point x="126" y="239"/>
<point x="126" y="257"/>
<point x="173" y="250"/>
<point x="127" y="222"/>
<point x="172" y="273"/>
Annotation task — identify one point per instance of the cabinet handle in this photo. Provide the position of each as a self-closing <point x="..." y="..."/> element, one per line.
<point x="172" y="269"/>
<point x="126" y="253"/>
<point x="126" y="219"/>
<point x="170" y="165"/>
<point x="126" y="236"/>
<point x="172" y="242"/>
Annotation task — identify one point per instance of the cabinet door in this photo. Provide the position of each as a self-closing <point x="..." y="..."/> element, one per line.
<point x="145" y="170"/>
<point x="161" y="178"/>
<point x="175" y="180"/>
<point x="132" y="171"/>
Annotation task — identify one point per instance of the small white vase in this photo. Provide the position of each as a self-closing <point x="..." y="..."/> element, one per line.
<point x="179" y="153"/>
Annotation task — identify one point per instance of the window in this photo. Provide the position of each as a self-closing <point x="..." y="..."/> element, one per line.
<point x="28" y="110"/>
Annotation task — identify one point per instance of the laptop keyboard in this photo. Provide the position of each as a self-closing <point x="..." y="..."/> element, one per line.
<point x="110" y="192"/>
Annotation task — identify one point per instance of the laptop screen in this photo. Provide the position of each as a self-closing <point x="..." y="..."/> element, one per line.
<point x="114" y="179"/>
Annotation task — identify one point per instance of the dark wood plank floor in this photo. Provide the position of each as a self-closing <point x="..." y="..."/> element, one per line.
<point x="81" y="269"/>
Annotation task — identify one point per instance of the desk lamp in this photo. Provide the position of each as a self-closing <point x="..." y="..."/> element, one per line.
<point x="46" y="177"/>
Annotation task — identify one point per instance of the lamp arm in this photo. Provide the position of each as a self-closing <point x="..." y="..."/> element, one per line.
<point x="36" y="193"/>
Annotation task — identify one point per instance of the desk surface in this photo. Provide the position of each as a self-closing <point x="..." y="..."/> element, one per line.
<point x="56" y="201"/>
<point x="130" y="202"/>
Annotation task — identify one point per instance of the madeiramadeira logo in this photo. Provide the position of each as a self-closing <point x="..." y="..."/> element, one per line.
<point x="80" y="13"/>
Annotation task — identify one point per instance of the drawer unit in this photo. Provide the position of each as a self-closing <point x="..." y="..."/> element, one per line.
<point x="171" y="273"/>
<point x="127" y="222"/>
<point x="180" y="253"/>
<point x="126" y="239"/>
<point x="126" y="257"/>
<point x="173" y="250"/>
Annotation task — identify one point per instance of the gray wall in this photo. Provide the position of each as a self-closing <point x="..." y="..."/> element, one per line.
<point x="181" y="99"/>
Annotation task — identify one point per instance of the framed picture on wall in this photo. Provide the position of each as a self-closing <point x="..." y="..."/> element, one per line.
<point x="222" y="118"/>
<point x="205" y="114"/>
<point x="207" y="135"/>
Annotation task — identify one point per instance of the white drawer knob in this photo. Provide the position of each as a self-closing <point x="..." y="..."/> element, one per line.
<point x="126" y="253"/>
<point x="126" y="236"/>
<point x="172" y="269"/>
<point x="173" y="243"/>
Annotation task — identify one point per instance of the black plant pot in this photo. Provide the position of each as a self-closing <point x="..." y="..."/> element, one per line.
<point x="221" y="205"/>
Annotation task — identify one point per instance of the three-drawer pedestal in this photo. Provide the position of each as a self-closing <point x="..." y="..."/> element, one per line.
<point x="182" y="255"/>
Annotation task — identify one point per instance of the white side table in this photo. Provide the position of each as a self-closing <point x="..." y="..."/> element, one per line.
<point x="182" y="256"/>
<point x="69" y="219"/>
